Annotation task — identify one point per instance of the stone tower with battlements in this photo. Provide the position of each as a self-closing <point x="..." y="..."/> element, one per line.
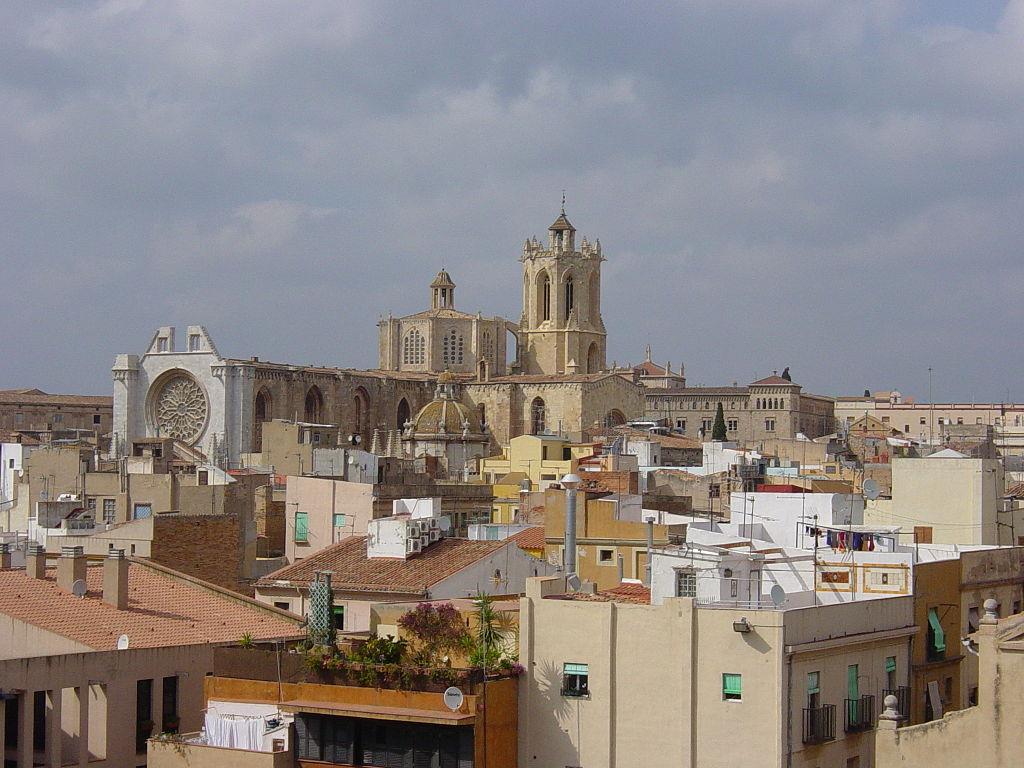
<point x="561" y="331"/>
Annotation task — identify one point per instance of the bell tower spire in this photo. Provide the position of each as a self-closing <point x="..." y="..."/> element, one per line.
<point x="442" y="291"/>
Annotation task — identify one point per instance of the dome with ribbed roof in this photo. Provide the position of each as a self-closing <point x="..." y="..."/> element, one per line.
<point x="445" y="416"/>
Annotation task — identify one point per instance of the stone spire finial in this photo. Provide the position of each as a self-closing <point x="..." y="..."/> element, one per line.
<point x="991" y="612"/>
<point x="375" y="442"/>
<point x="891" y="708"/>
<point x="647" y="351"/>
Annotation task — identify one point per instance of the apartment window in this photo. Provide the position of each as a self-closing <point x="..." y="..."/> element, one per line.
<point x="109" y="509"/>
<point x="732" y="687"/>
<point x="1016" y="607"/>
<point x="936" y="637"/>
<point x="575" y="680"/>
<point x="813" y="690"/>
<point x="960" y="420"/>
<point x="706" y="424"/>
<point x="58" y="418"/>
<point x="732" y="425"/>
<point x="606" y="556"/>
<point x="204" y="477"/>
<point x="316" y="437"/>
<point x="885" y="419"/>
<point x="681" y="425"/>
<point x="301" y="527"/>
<point x="890" y="673"/>
<point x="170" y="701"/>
<point x="338" y="611"/>
<point x="142" y="511"/>
<point x="90" y="504"/>
<point x="193" y="342"/>
<point x="143" y="713"/>
<point x="977" y="420"/>
<point x="543" y="453"/>
<point x="339" y="520"/>
<point x="96" y="418"/>
<point x="567" y="453"/>
<point x="284" y="605"/>
<point x="19" y="418"/>
<point x="686" y="583"/>
<point x="906" y="428"/>
<point x="10" y="463"/>
<point x="923" y="421"/>
<point x="769" y="425"/>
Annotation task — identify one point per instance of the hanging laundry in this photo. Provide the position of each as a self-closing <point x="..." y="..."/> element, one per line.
<point x="858" y="541"/>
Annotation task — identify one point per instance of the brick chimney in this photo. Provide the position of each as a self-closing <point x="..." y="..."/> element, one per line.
<point x="70" y="567"/>
<point x="115" y="579"/>
<point x="5" y="556"/>
<point x="35" y="561"/>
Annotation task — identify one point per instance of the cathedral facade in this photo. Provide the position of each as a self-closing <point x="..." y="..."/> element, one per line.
<point x="556" y="381"/>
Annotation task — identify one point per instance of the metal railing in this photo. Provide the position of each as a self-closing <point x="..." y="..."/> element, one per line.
<point x="819" y="724"/>
<point x="902" y="694"/>
<point x="860" y="714"/>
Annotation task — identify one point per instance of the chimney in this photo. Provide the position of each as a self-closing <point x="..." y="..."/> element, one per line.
<point x="5" y="556"/>
<point x="115" y="579"/>
<point x="35" y="561"/>
<point x="70" y="567"/>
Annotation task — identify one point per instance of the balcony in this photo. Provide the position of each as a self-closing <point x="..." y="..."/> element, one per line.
<point x="819" y="724"/>
<point x="860" y="714"/>
<point x="902" y="695"/>
<point x="189" y="751"/>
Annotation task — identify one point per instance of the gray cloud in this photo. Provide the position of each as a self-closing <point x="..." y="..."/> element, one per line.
<point x="831" y="186"/>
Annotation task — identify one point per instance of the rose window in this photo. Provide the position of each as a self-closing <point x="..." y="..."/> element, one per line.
<point x="181" y="409"/>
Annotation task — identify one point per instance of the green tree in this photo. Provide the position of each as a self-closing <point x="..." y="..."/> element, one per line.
<point x="718" y="429"/>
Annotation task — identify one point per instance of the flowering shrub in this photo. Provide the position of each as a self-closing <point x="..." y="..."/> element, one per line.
<point x="436" y="631"/>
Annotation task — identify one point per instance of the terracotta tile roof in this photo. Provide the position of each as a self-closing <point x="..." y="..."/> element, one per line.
<point x="530" y="538"/>
<point x="652" y="394"/>
<point x="1016" y="491"/>
<point x="353" y="571"/>
<point x="772" y="381"/>
<point x="574" y="378"/>
<point x="164" y="609"/>
<point x="648" y="368"/>
<point x="34" y="397"/>
<point x="626" y="592"/>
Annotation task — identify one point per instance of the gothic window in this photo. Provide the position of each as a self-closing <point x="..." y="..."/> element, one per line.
<point x="413" y="348"/>
<point x="452" y="348"/>
<point x="569" y="297"/>
<point x="537" y="424"/>
<point x="546" y="297"/>
<point x="487" y="346"/>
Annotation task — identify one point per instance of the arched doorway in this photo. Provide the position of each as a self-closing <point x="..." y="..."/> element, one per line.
<point x="593" y="358"/>
<point x="538" y="417"/>
<point x="263" y="410"/>
<point x="314" y="407"/>
<point x="403" y="413"/>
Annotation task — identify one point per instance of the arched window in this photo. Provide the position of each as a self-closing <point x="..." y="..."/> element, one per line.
<point x="413" y="348"/>
<point x="537" y="417"/>
<point x="262" y="411"/>
<point x="544" y="297"/>
<point x="452" y="348"/>
<point x="314" y="408"/>
<point x="360" y="407"/>
<point x="569" y="296"/>
<point x="594" y="299"/>
<point x="614" y="418"/>
<point x="593" y="358"/>
<point x="403" y="413"/>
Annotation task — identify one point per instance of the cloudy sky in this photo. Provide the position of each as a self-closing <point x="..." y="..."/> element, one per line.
<point x="832" y="186"/>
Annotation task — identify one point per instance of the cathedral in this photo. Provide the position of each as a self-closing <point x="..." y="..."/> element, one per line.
<point x="557" y="380"/>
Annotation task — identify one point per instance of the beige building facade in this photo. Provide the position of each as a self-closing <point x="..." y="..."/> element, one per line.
<point x="682" y="685"/>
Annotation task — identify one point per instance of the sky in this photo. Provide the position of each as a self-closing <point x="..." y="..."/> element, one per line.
<point x="832" y="186"/>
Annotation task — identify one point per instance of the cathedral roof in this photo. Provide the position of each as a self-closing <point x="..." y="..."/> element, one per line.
<point x="445" y="416"/>
<point x="442" y="312"/>
<point x="562" y="223"/>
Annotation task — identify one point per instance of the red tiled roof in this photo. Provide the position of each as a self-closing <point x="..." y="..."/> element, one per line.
<point x="647" y="368"/>
<point x="772" y="381"/>
<point x="164" y="609"/>
<point x="353" y="571"/>
<point x="530" y="538"/>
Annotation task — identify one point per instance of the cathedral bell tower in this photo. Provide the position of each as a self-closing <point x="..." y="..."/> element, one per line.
<point x="561" y="330"/>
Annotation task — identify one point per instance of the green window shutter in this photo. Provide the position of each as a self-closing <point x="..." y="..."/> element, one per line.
<point x="940" y="636"/>
<point x="852" y="685"/>
<point x="301" y="526"/>
<point x="813" y="682"/>
<point x="890" y="664"/>
<point x="339" y="519"/>
<point x="574" y="669"/>
<point x="732" y="684"/>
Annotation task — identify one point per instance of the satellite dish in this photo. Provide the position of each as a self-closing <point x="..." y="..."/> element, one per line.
<point x="871" y="489"/>
<point x="444" y="523"/>
<point x="122" y="643"/>
<point x="841" y="505"/>
<point x="79" y="588"/>
<point x="778" y="595"/>
<point x="453" y="698"/>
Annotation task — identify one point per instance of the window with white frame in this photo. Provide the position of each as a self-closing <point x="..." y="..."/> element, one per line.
<point x="686" y="583"/>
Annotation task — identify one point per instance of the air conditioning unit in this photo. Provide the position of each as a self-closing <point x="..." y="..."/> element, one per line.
<point x="434" y="535"/>
<point x="432" y="523"/>
<point x="425" y="540"/>
<point x="413" y="547"/>
<point x="412" y="530"/>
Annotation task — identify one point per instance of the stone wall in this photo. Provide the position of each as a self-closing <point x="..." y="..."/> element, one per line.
<point x="208" y="547"/>
<point x="269" y="517"/>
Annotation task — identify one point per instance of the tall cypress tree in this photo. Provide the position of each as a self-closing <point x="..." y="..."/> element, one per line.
<point x="718" y="429"/>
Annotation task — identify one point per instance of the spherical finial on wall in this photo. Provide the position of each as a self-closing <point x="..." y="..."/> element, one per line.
<point x="991" y="610"/>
